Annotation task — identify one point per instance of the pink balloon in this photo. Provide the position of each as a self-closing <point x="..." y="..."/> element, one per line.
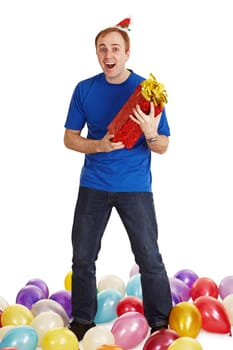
<point x="134" y="270"/>
<point x="160" y="340"/>
<point x="130" y="329"/>
<point x="226" y="287"/>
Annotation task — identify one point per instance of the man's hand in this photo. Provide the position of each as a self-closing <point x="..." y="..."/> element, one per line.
<point x="106" y="145"/>
<point x="147" y="122"/>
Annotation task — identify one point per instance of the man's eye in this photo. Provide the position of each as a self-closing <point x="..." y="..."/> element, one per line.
<point x="115" y="49"/>
<point x="103" y="49"/>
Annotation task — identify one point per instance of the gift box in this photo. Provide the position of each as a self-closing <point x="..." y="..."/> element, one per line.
<point x="125" y="129"/>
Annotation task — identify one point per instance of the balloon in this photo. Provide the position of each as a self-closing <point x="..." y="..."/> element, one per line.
<point x="226" y="286"/>
<point x="129" y="303"/>
<point x="29" y="295"/>
<point x="130" y="329"/>
<point x="15" y="315"/>
<point x="107" y="301"/>
<point x="134" y="287"/>
<point x="185" y="319"/>
<point x="179" y="288"/>
<point x="50" y="305"/>
<point x="97" y="336"/>
<point x="204" y="286"/>
<point x="63" y="297"/>
<point x="68" y="281"/>
<point x="4" y="330"/>
<point x="214" y="315"/>
<point x="175" y="298"/>
<point x="111" y="282"/>
<point x="160" y="340"/>
<point x="185" y="343"/>
<point x="187" y="276"/>
<point x="134" y="270"/>
<point x="41" y="284"/>
<point x="109" y="347"/>
<point x="21" y="337"/>
<point x="228" y="304"/>
<point x="9" y="348"/>
<point x="45" y="321"/>
<point x="3" y="303"/>
<point x="59" y="338"/>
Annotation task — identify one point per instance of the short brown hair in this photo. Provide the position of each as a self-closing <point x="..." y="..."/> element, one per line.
<point x="122" y="32"/>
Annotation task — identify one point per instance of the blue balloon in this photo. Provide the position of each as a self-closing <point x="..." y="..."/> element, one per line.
<point x="21" y="337"/>
<point x="107" y="301"/>
<point x="134" y="287"/>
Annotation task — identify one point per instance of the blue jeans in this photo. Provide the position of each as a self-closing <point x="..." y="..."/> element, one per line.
<point x="137" y="212"/>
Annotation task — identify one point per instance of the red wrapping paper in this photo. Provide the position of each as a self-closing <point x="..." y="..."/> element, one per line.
<point x="125" y="129"/>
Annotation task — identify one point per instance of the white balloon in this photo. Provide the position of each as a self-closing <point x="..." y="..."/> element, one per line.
<point x="45" y="321"/>
<point x="97" y="336"/>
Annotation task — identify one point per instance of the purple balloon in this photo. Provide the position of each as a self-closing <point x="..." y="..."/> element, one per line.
<point x="63" y="297"/>
<point x="179" y="288"/>
<point x="226" y="286"/>
<point x="29" y="295"/>
<point x="41" y="284"/>
<point x="187" y="276"/>
<point x="175" y="298"/>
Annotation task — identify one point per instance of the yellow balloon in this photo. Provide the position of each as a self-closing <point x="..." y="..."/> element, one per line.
<point x="185" y="343"/>
<point x="16" y="315"/>
<point x="185" y="319"/>
<point x="96" y="337"/>
<point x="45" y="321"/>
<point x="68" y="280"/>
<point x="59" y="338"/>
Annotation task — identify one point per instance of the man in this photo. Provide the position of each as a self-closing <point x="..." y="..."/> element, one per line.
<point x="113" y="176"/>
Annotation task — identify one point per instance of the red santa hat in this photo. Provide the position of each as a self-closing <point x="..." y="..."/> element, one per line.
<point x="124" y="24"/>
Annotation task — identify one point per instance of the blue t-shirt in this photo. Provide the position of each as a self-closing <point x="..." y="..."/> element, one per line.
<point x="94" y="104"/>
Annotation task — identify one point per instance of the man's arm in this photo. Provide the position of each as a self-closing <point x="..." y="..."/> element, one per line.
<point x="74" y="141"/>
<point x="149" y="125"/>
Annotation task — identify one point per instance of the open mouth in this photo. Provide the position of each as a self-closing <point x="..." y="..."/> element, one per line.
<point x="110" y="65"/>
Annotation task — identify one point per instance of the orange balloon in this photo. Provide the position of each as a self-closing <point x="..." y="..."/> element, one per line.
<point x="109" y="347"/>
<point x="185" y="319"/>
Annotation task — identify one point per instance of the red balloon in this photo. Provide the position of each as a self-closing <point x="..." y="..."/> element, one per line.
<point x="204" y="286"/>
<point x="214" y="315"/>
<point x="129" y="303"/>
<point x="160" y="340"/>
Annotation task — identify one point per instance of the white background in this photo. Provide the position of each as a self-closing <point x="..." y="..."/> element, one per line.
<point x="47" y="46"/>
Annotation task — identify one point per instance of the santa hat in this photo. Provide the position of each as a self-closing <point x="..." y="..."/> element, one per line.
<point x="124" y="24"/>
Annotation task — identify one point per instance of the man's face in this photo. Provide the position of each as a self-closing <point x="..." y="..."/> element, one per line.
<point x="112" y="56"/>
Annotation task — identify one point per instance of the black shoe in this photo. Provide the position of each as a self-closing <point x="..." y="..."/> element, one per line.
<point x="79" y="329"/>
<point x="157" y="328"/>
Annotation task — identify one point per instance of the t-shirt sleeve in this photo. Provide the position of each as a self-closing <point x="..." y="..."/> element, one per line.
<point x="164" y="128"/>
<point x="75" y="119"/>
